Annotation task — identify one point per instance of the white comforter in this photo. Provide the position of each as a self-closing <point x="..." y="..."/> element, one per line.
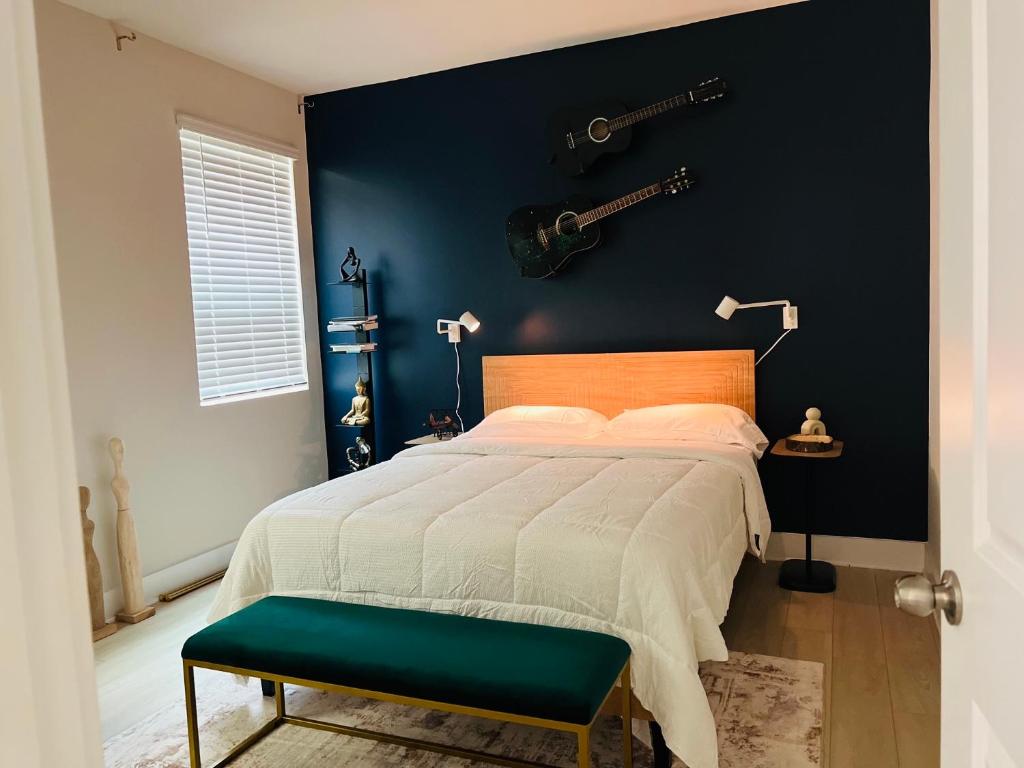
<point x="641" y="541"/>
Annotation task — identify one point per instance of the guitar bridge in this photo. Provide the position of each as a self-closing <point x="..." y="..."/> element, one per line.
<point x="569" y="140"/>
<point x="542" y="238"/>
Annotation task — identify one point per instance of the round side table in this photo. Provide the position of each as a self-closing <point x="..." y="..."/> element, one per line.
<point x="808" y="575"/>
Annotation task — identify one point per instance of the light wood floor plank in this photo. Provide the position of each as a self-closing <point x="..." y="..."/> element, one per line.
<point x="814" y="645"/>
<point x="741" y="591"/>
<point x="761" y="622"/>
<point x="912" y="658"/>
<point x="808" y="636"/>
<point x="881" y="686"/>
<point x="917" y="740"/>
<point x="138" y="669"/>
<point x="862" y="727"/>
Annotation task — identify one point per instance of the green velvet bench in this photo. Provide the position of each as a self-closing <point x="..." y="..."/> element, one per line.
<point x="521" y="673"/>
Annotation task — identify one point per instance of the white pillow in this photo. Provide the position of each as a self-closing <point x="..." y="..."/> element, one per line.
<point x="693" y="421"/>
<point x="540" y="421"/>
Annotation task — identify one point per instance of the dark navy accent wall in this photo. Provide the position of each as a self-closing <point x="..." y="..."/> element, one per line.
<point x="813" y="186"/>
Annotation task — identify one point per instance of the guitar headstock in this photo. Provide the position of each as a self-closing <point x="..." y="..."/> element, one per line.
<point x="677" y="182"/>
<point x="709" y="90"/>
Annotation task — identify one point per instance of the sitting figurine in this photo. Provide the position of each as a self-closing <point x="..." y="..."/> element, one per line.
<point x="353" y="261"/>
<point x="359" y="415"/>
<point x="359" y="456"/>
<point x="813" y="425"/>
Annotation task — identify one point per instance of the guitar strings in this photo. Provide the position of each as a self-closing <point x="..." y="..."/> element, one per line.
<point x="585" y="134"/>
<point x="646" y="192"/>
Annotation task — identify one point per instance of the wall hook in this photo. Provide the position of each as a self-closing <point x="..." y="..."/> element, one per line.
<point x="304" y="105"/>
<point x="120" y="35"/>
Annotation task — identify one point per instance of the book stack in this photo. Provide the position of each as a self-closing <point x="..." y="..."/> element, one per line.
<point x="355" y="349"/>
<point x="359" y="323"/>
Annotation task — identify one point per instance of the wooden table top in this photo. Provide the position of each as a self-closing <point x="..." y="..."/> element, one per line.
<point x="780" y="449"/>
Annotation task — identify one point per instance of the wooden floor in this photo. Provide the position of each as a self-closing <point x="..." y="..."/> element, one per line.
<point x="881" y="665"/>
<point x="138" y="669"/>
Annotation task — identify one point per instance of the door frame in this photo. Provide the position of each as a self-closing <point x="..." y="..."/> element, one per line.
<point x="46" y="663"/>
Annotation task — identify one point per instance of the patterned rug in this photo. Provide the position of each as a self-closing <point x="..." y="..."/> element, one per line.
<point x="768" y="712"/>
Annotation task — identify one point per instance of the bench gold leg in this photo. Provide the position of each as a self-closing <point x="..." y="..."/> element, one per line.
<point x="279" y="699"/>
<point x="583" y="756"/>
<point x="582" y="731"/>
<point x="190" y="717"/>
<point x="627" y="719"/>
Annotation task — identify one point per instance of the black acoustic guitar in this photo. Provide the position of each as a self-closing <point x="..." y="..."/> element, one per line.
<point x="542" y="238"/>
<point x="578" y="137"/>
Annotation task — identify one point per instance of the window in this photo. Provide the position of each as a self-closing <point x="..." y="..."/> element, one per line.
<point x="244" y="261"/>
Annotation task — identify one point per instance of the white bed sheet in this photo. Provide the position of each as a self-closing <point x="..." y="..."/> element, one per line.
<point x="638" y="540"/>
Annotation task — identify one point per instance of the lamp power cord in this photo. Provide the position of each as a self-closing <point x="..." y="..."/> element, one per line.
<point x="773" y="346"/>
<point x="458" y="386"/>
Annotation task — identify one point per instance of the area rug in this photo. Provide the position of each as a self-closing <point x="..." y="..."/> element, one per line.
<point x="768" y="712"/>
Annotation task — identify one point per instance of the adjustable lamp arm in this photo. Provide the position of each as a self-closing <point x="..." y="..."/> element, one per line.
<point x="790" y="322"/>
<point x="452" y="327"/>
<point x="789" y="312"/>
<point x="752" y="305"/>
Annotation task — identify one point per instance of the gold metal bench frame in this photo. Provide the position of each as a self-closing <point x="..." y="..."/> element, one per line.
<point x="282" y="717"/>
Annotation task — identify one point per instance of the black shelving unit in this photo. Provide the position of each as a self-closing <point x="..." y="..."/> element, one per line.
<point x="346" y="433"/>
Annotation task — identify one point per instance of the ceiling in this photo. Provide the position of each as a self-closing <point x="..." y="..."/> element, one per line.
<point x="313" y="46"/>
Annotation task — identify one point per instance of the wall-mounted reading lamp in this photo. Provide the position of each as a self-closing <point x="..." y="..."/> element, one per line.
<point x="729" y="305"/>
<point x="454" y="328"/>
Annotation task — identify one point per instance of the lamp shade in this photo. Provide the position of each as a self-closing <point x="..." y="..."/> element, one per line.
<point x="469" y="321"/>
<point x="726" y="307"/>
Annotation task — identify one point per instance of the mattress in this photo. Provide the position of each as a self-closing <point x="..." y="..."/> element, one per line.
<point x="641" y="540"/>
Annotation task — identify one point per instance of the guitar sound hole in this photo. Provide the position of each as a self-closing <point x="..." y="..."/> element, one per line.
<point x="566" y="224"/>
<point x="599" y="130"/>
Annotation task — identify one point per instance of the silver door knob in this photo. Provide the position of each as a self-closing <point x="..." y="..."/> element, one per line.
<point x="917" y="595"/>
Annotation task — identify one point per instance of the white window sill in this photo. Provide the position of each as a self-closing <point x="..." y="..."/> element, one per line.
<point x="254" y="395"/>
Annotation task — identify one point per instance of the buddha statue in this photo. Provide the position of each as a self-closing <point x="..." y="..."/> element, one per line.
<point x="359" y="415"/>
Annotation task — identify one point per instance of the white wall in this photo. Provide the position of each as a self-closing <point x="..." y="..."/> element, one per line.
<point x="197" y="474"/>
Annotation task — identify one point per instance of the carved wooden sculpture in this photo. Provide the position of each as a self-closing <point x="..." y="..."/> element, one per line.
<point x="135" y="608"/>
<point x="94" y="577"/>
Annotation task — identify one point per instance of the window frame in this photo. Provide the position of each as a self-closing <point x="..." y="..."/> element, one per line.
<point x="202" y="127"/>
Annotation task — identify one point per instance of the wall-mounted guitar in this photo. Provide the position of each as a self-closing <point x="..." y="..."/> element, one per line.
<point x="578" y="137"/>
<point x="542" y="238"/>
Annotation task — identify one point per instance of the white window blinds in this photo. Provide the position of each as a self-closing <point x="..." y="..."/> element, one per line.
<point x="244" y="260"/>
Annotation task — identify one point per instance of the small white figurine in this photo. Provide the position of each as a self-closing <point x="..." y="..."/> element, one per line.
<point x="813" y="425"/>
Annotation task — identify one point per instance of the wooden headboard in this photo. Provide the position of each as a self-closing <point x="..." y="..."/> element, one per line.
<point x="612" y="382"/>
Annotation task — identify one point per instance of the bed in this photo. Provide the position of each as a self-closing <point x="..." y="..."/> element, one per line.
<point x="639" y="538"/>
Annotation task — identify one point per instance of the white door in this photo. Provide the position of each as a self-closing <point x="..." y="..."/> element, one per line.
<point x="981" y="376"/>
<point x="49" y="716"/>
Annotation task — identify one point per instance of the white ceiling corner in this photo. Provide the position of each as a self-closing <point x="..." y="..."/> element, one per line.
<point x="314" y="46"/>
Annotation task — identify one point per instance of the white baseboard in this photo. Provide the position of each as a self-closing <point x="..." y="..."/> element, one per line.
<point x="174" y="576"/>
<point x="888" y="554"/>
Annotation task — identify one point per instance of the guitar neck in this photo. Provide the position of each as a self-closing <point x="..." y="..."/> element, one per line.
<point x="631" y="118"/>
<point x="617" y="205"/>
